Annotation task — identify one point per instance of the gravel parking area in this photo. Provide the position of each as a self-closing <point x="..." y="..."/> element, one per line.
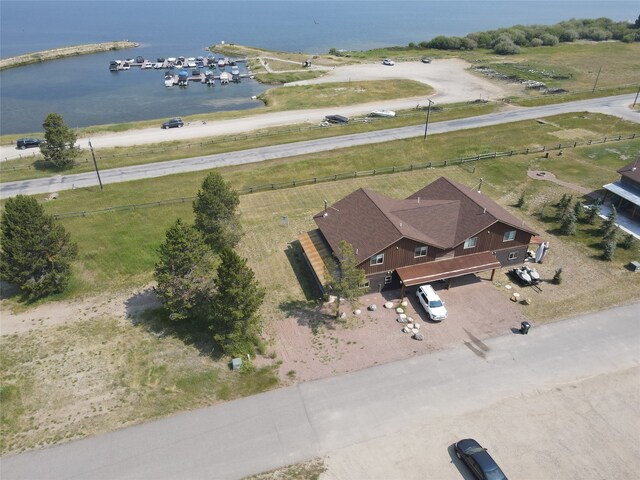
<point x="313" y="344"/>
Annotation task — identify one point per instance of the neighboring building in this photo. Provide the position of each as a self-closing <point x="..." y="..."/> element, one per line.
<point x="442" y="231"/>
<point x="626" y="192"/>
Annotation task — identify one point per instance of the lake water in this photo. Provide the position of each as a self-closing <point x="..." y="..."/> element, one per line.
<point x="85" y="93"/>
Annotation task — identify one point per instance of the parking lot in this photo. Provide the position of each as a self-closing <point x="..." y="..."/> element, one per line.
<point x="313" y="344"/>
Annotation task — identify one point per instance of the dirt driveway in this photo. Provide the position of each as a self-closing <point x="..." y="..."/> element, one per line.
<point x="315" y="345"/>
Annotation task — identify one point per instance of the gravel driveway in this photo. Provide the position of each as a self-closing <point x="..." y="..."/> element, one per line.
<point x="315" y="345"/>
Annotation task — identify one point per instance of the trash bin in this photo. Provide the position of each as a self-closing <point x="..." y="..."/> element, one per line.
<point x="524" y="327"/>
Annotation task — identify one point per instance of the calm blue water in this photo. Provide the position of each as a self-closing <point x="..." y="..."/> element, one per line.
<point x="85" y="93"/>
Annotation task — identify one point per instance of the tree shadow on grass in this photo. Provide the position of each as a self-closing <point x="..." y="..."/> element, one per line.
<point x="145" y="310"/>
<point x="302" y="271"/>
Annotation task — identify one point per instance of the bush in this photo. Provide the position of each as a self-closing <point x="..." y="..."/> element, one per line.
<point x="557" y="277"/>
<point x="505" y="46"/>
<point x="569" y="35"/>
<point x="536" y="42"/>
<point x="628" y="242"/>
<point x="549" y="40"/>
<point x="568" y="224"/>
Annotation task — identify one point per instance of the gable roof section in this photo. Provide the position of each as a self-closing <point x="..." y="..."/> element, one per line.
<point x="442" y="214"/>
<point x="632" y="171"/>
<point x="476" y="213"/>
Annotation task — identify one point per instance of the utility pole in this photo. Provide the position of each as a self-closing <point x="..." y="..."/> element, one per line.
<point x="426" y="125"/>
<point x="596" y="82"/>
<point x="636" y="99"/>
<point x="95" y="164"/>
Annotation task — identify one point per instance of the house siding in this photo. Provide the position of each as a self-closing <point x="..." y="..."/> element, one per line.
<point x="491" y="240"/>
<point x="400" y="254"/>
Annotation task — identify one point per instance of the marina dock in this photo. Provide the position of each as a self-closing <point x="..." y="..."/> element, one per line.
<point x="180" y="71"/>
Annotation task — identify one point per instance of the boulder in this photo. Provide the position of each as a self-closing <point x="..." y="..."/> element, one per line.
<point x="404" y="303"/>
<point x="332" y="298"/>
<point x="388" y="305"/>
<point x="357" y="312"/>
<point x="418" y="336"/>
<point x="373" y="307"/>
<point x="406" y="330"/>
<point x="401" y="319"/>
<point x="343" y="315"/>
<point x="416" y="325"/>
<point x="399" y="310"/>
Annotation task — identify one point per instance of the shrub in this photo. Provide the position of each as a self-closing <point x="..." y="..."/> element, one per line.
<point x="568" y="224"/>
<point x="549" y="40"/>
<point x="505" y="46"/>
<point x="557" y="277"/>
<point x="536" y="42"/>
<point x="628" y="241"/>
<point x="569" y="35"/>
<point x="521" y="201"/>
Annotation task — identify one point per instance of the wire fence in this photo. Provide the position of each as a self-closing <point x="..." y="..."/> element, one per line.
<point x="465" y="162"/>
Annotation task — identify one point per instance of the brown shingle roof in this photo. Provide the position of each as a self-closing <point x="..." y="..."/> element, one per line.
<point x="631" y="171"/>
<point x="443" y="214"/>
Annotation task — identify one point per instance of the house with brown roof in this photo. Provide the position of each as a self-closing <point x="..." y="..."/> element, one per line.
<point x="626" y="191"/>
<point x="443" y="231"/>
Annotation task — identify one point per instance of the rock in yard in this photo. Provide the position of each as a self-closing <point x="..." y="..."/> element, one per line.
<point x="418" y="336"/>
<point x="399" y="310"/>
<point x="404" y="303"/>
<point x="343" y="314"/>
<point x="372" y="307"/>
<point x="388" y="305"/>
<point x="332" y="298"/>
<point x="401" y="319"/>
<point x="406" y="330"/>
<point x="416" y="325"/>
<point x="357" y="312"/>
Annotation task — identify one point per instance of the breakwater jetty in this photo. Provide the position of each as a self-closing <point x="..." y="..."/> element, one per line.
<point x="181" y="71"/>
<point x="56" y="53"/>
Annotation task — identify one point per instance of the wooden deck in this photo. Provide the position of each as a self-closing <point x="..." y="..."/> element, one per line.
<point x="317" y="254"/>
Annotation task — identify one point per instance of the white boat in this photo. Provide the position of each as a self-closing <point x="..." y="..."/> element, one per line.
<point x="527" y="275"/>
<point x="225" y="77"/>
<point x="171" y="59"/>
<point x="383" y="113"/>
<point x="221" y="63"/>
<point x="191" y="63"/>
<point x="126" y="66"/>
<point x="168" y="82"/>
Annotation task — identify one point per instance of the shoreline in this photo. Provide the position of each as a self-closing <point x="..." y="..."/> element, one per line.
<point x="56" y="53"/>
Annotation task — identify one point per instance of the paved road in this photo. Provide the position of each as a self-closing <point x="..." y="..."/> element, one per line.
<point x="317" y="418"/>
<point x="617" y="105"/>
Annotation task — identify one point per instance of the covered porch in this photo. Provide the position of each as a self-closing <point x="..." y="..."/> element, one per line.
<point x="446" y="269"/>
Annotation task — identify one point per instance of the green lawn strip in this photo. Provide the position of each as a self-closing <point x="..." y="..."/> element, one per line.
<point x="27" y="168"/>
<point x="117" y="249"/>
<point x="93" y="376"/>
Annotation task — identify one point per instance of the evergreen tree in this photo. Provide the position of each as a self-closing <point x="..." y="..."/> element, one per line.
<point x="578" y="210"/>
<point x="593" y="213"/>
<point x="628" y="241"/>
<point x="234" y="318"/>
<point x="60" y="149"/>
<point x="563" y="206"/>
<point x="568" y="224"/>
<point x="609" y="227"/>
<point x="609" y="249"/>
<point x="215" y="213"/>
<point x="36" y="251"/>
<point x="345" y="279"/>
<point x="183" y="272"/>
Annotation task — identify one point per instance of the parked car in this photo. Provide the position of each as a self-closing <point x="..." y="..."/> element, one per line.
<point x="336" y="119"/>
<point x="174" y="122"/>
<point x="23" y="143"/>
<point x="388" y="61"/>
<point x="431" y="302"/>
<point x="426" y="60"/>
<point x="478" y="460"/>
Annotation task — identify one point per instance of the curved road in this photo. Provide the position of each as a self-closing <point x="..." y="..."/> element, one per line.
<point x="617" y="105"/>
<point x="396" y="400"/>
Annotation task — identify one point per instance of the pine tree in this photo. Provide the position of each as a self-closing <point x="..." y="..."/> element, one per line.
<point x="609" y="227"/>
<point x="184" y="272"/>
<point x="345" y="279"/>
<point x="568" y="224"/>
<point x="593" y="213"/>
<point x="36" y="251"/>
<point x="609" y="248"/>
<point x="60" y="149"/>
<point x="234" y="319"/>
<point x="215" y="213"/>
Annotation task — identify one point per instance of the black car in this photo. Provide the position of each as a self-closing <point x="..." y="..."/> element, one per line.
<point x="174" y="122"/>
<point x="478" y="460"/>
<point x="336" y="119"/>
<point x="23" y="143"/>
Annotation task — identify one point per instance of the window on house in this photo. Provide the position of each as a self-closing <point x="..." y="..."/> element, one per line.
<point x="420" y="252"/>
<point x="377" y="259"/>
<point x="387" y="280"/>
<point x="513" y="255"/>
<point x="365" y="284"/>
<point x="509" y="236"/>
<point x="470" y="242"/>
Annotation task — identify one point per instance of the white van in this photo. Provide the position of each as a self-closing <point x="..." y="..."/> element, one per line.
<point x="431" y="303"/>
